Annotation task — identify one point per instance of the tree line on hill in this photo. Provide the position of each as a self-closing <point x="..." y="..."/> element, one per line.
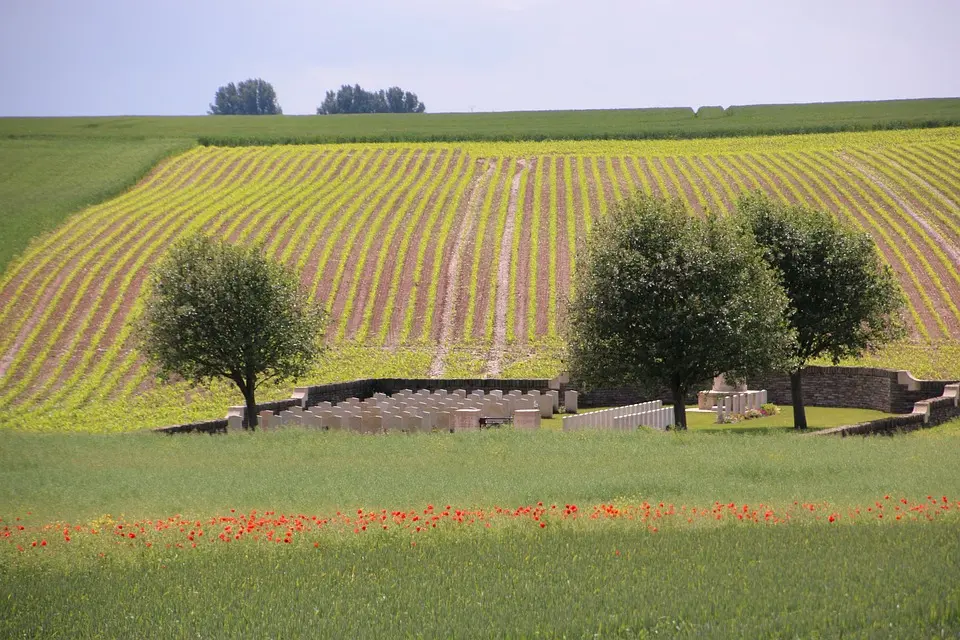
<point x="256" y="97"/>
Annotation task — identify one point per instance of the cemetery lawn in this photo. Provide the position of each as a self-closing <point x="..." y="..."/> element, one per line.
<point x="678" y="572"/>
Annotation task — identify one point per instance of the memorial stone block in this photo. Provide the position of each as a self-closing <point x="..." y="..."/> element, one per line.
<point x="466" y="420"/>
<point x="526" y="419"/>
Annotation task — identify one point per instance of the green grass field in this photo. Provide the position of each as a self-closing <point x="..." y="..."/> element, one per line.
<point x="505" y="126"/>
<point x="746" y="530"/>
<point x="45" y="180"/>
<point x="857" y="549"/>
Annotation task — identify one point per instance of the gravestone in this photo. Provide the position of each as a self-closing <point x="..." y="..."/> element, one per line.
<point x="311" y="420"/>
<point x="545" y="403"/>
<point x="371" y="424"/>
<point x="555" y="396"/>
<point x="570" y="400"/>
<point x="266" y="420"/>
<point x="466" y="420"/>
<point x="234" y="424"/>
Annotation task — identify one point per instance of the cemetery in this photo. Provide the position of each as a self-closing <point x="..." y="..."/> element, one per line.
<point x="422" y="411"/>
<point x="410" y="406"/>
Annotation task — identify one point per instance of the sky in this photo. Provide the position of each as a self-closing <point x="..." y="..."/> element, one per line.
<point x="168" y="57"/>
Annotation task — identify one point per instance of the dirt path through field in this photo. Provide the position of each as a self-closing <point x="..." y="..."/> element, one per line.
<point x="945" y="198"/>
<point x="498" y="350"/>
<point x="948" y="247"/>
<point x="454" y="275"/>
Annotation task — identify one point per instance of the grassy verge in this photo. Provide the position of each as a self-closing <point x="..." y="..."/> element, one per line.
<point x="44" y="181"/>
<point x="82" y="476"/>
<point x="775" y="536"/>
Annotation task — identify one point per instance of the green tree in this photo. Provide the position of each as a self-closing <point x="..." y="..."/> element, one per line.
<point x="254" y="97"/>
<point x="844" y="300"/>
<point x="667" y="299"/>
<point x="221" y="311"/>
<point x="355" y="99"/>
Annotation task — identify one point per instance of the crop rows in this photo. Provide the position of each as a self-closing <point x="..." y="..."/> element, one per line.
<point x="376" y="232"/>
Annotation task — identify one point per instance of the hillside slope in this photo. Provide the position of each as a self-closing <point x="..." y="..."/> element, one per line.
<point x="452" y="258"/>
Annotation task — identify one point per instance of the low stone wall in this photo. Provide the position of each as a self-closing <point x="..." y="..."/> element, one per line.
<point x="926" y="413"/>
<point x="884" y="390"/>
<point x="362" y="389"/>
<point x="210" y="426"/>
<point x="623" y="396"/>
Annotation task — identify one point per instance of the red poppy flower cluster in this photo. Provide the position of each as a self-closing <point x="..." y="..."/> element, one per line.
<point x="272" y="528"/>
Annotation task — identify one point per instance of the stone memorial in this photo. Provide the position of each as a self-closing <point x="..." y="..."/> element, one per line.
<point x="526" y="419"/>
<point x="466" y="420"/>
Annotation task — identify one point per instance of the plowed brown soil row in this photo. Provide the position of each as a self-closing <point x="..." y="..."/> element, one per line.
<point x="405" y="244"/>
<point x="145" y="245"/>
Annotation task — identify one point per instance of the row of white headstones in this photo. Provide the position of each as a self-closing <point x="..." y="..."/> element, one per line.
<point x="739" y="403"/>
<point x="625" y="418"/>
<point x="423" y="411"/>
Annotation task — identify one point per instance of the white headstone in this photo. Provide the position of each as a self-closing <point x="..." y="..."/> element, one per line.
<point x="570" y="400"/>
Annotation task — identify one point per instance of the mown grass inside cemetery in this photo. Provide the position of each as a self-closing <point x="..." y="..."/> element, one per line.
<point x="613" y="575"/>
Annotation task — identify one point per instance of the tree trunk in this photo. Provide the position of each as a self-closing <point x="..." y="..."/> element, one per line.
<point x="796" y="391"/>
<point x="679" y="408"/>
<point x="252" y="418"/>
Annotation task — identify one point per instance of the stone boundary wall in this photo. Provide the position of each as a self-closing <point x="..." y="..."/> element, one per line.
<point x="362" y="389"/>
<point x="884" y="390"/>
<point x="220" y="426"/>
<point x="926" y="413"/>
<point x="623" y="396"/>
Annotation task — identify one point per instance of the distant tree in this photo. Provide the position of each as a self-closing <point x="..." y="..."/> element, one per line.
<point x="354" y="99"/>
<point x="667" y="299"/>
<point x="844" y="300"/>
<point x="253" y="97"/>
<point x="220" y="311"/>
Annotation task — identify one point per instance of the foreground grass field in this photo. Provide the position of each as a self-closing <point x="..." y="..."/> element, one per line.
<point x="837" y="536"/>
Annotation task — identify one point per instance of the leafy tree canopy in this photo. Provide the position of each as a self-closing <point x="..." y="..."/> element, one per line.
<point x="667" y="299"/>
<point x="254" y="97"/>
<point x="844" y="300"/>
<point x="220" y="311"/>
<point x="356" y="100"/>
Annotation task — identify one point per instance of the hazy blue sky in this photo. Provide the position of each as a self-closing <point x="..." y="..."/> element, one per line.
<point x="108" y="57"/>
